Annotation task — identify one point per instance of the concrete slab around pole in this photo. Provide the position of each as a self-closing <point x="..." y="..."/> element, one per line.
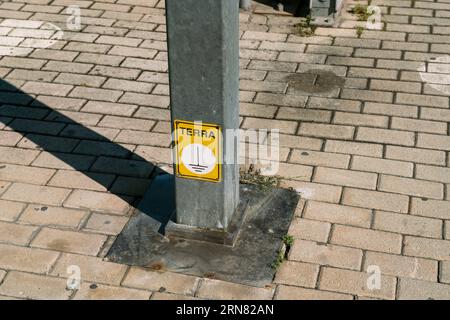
<point x="268" y="214"/>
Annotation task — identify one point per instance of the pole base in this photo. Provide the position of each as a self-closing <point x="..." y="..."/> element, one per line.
<point x="257" y="243"/>
<point x="228" y="237"/>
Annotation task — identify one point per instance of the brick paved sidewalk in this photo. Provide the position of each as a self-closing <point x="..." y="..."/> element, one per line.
<point x="369" y="152"/>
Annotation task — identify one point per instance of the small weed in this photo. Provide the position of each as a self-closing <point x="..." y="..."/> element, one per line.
<point x="278" y="261"/>
<point x="288" y="240"/>
<point x="359" y="31"/>
<point x="254" y="177"/>
<point x="304" y="28"/>
<point x="360" y="12"/>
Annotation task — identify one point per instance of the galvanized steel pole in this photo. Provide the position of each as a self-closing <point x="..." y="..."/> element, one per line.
<point x="203" y="48"/>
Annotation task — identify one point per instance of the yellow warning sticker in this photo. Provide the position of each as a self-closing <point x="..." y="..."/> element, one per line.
<point x="198" y="150"/>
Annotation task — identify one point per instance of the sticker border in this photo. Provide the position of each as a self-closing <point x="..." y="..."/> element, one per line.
<point x="185" y="176"/>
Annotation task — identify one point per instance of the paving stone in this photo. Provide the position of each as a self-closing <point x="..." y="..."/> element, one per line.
<point x="15" y="234"/>
<point x="393" y="167"/>
<point x="375" y="200"/>
<point x="48" y="143"/>
<point x="297" y="274"/>
<point x="401" y="266"/>
<point x="123" y="167"/>
<point x="110" y="108"/>
<point x="430" y="208"/>
<point x="102" y="292"/>
<point x="309" y="230"/>
<point x="297" y="293"/>
<point x="430" y="141"/>
<point x="411" y="289"/>
<point x="128" y="85"/>
<point x="288" y="100"/>
<point x="326" y="254"/>
<point x="83" y="80"/>
<point x="92" y="269"/>
<point x="48" y="216"/>
<point x="131" y="186"/>
<point x="98" y="201"/>
<point x="308" y="157"/>
<point x="357" y="148"/>
<point x="26" y="259"/>
<point x="80" y="180"/>
<point x="126" y="123"/>
<point x="36" y="194"/>
<point x="408" y="186"/>
<point x="144" y="138"/>
<point x="340" y="214"/>
<point x="98" y="148"/>
<point x="220" y="290"/>
<point x="419" y="125"/>
<point x="326" y="131"/>
<point x="152" y="280"/>
<point x="391" y="109"/>
<point x="32" y="175"/>
<point x="314" y="191"/>
<point x="385" y="136"/>
<point x="17" y="156"/>
<point x="407" y="224"/>
<point x="10" y="210"/>
<point x="287" y="127"/>
<point x="35" y="126"/>
<point x="354" y="282"/>
<point x="433" y="173"/>
<point x="356" y="119"/>
<point x="427" y="248"/>
<point x="106" y="224"/>
<point x="444" y="275"/>
<point x="170" y="296"/>
<point x="347" y="178"/>
<point x="366" y="239"/>
<point x="31" y="286"/>
<point x="100" y="94"/>
<point x="295" y="172"/>
<point x="63" y="161"/>
<point x="69" y="241"/>
<point x="422" y="100"/>
<point x="4" y="186"/>
<point x="416" y="155"/>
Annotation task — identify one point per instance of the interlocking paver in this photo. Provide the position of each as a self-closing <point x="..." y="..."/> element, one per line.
<point x="31" y="286"/>
<point x="401" y="266"/>
<point x="410" y="289"/>
<point x="220" y="290"/>
<point x="69" y="241"/>
<point x="10" y="210"/>
<point x="26" y="259"/>
<point x="89" y="291"/>
<point x="153" y="280"/>
<point x="366" y="239"/>
<point x="93" y="269"/>
<point x="53" y="216"/>
<point x="298" y="293"/>
<point x="323" y="254"/>
<point x="348" y="281"/>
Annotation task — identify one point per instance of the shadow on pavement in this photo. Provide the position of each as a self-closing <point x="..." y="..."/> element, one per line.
<point x="76" y="145"/>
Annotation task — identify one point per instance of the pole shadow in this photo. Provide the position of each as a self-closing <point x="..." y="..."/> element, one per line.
<point x="80" y="147"/>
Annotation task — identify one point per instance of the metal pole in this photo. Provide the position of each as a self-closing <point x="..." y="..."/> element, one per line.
<point x="203" y="48"/>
